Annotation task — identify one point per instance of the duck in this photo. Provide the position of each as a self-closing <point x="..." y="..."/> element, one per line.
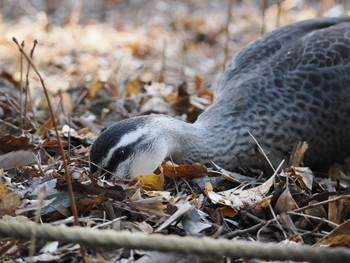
<point x="291" y="84"/>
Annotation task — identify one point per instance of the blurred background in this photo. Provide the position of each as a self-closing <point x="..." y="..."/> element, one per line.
<point x="115" y="49"/>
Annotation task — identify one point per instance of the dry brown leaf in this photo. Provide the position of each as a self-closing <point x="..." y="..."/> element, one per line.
<point x="133" y="87"/>
<point x="153" y="205"/>
<point x="298" y="152"/>
<point x="86" y="204"/>
<point x="44" y="129"/>
<point x="143" y="227"/>
<point x="197" y="82"/>
<point x="94" y="87"/>
<point x="172" y="97"/>
<point x="285" y="202"/>
<point x="9" y="201"/>
<point x="83" y="131"/>
<point x="265" y="187"/>
<point x="207" y="93"/>
<point x="67" y="102"/>
<point x="317" y="211"/>
<point x="137" y="48"/>
<point x="53" y="143"/>
<point x="10" y="143"/>
<point x="339" y="237"/>
<point x="185" y="171"/>
<point x="227" y="211"/>
<point x="259" y="207"/>
<point x="166" y="195"/>
<point x="230" y="200"/>
<point x="288" y="224"/>
<point x="338" y="210"/>
<point x="304" y="176"/>
<point x="250" y="196"/>
<point x="182" y="209"/>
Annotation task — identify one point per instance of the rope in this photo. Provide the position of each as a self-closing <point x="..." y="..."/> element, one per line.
<point x="205" y="246"/>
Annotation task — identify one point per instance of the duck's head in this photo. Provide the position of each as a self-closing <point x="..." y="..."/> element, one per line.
<point x="129" y="148"/>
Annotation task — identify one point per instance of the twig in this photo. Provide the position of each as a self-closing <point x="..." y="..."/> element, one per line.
<point x="314" y="217"/>
<point x="66" y="168"/>
<point x="64" y="160"/>
<point x="262" y="151"/>
<point x="26" y="88"/>
<point x="264" y="7"/>
<point x="162" y="69"/>
<point x="227" y="33"/>
<point x="21" y="91"/>
<point x="41" y="197"/>
<point x="244" y="231"/>
<point x="277" y="222"/>
<point x="320" y="203"/>
<point x="279" y="12"/>
<point x="9" y="124"/>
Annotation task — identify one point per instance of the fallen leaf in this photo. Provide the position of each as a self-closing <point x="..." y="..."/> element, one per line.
<point x="232" y="200"/>
<point x="86" y="204"/>
<point x="150" y="182"/>
<point x="153" y="205"/>
<point x="285" y="202"/>
<point x="185" y="171"/>
<point x="338" y="210"/>
<point x="9" y="201"/>
<point x="48" y="143"/>
<point x="339" y="237"/>
<point x="182" y="209"/>
<point x="197" y="82"/>
<point x="139" y="227"/>
<point x="9" y="143"/>
<point x="94" y="87"/>
<point x="194" y="221"/>
<point x="133" y="87"/>
<point x="44" y="129"/>
<point x="227" y="211"/>
<point x="298" y="153"/>
<point x="304" y="176"/>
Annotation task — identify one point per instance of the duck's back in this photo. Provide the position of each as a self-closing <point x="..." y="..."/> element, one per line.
<point x="292" y="84"/>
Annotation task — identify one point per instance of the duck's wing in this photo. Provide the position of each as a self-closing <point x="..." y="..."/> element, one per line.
<point x="300" y="89"/>
<point x="271" y="43"/>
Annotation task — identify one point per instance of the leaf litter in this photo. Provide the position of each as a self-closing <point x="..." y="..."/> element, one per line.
<point x="98" y="73"/>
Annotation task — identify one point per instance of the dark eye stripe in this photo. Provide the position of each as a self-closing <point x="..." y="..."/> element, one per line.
<point x="118" y="158"/>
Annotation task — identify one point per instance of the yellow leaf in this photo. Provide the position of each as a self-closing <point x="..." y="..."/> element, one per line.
<point x="133" y="87"/>
<point x="94" y="87"/>
<point x="9" y="201"/>
<point x="227" y="211"/>
<point x="150" y="182"/>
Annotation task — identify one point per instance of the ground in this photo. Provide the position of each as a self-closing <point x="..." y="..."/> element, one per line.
<point x="103" y="61"/>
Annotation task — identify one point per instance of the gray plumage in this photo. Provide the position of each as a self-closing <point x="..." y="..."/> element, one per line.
<point x="292" y="84"/>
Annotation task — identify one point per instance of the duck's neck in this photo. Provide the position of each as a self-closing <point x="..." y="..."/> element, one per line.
<point x="202" y="141"/>
<point x="185" y="142"/>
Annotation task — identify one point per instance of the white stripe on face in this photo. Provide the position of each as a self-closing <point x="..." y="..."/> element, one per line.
<point x="125" y="140"/>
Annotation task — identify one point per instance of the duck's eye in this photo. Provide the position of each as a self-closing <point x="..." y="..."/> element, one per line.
<point x="121" y="154"/>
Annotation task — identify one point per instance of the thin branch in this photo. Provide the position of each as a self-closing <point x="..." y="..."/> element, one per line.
<point x="162" y="69"/>
<point x="320" y="203"/>
<point x="227" y="32"/>
<point x="263" y="152"/>
<point x="21" y="91"/>
<point x="64" y="160"/>
<point x="314" y="217"/>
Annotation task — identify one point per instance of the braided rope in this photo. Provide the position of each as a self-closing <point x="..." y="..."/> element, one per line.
<point x="188" y="245"/>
